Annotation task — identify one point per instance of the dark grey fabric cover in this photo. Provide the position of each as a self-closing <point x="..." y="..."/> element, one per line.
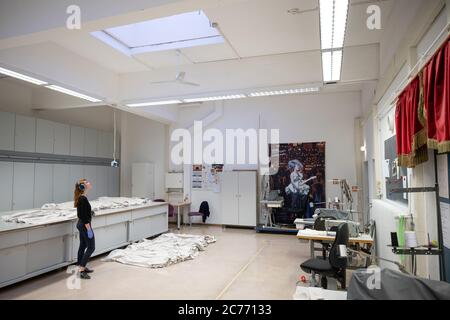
<point x="333" y="213"/>
<point x="397" y="286"/>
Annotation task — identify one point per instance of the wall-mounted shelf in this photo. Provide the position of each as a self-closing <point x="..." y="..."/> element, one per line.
<point x="436" y="251"/>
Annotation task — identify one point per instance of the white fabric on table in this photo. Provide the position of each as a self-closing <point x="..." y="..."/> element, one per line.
<point x="52" y="212"/>
<point x="162" y="251"/>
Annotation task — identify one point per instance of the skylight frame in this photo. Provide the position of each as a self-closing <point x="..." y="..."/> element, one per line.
<point x="116" y="37"/>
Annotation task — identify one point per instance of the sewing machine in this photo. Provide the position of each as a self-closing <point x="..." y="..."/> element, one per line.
<point x="353" y="227"/>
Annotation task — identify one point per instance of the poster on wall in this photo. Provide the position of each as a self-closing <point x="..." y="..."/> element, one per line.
<point x="300" y="179"/>
<point x="213" y="177"/>
<point x="197" y="177"/>
<point x="207" y="177"/>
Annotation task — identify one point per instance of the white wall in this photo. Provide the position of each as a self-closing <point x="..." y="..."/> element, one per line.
<point x="142" y="140"/>
<point x="307" y="118"/>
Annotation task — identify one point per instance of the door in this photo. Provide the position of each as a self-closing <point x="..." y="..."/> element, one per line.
<point x="143" y="180"/>
<point x="230" y="203"/>
<point x="247" y="198"/>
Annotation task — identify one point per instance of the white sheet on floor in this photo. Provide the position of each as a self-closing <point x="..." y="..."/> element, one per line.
<point x="52" y="212"/>
<point x="167" y="249"/>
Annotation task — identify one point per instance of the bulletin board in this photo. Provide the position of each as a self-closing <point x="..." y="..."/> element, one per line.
<point x="443" y="165"/>
<point x="207" y="177"/>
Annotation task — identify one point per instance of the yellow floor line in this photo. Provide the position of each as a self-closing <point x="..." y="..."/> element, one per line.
<point x="240" y="272"/>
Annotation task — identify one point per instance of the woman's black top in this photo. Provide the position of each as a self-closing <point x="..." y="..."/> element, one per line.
<point x="84" y="212"/>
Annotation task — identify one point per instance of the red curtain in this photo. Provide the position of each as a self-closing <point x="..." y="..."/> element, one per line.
<point x="411" y="133"/>
<point x="436" y="81"/>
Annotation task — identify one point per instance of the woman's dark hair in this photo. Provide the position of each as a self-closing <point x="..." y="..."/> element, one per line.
<point x="78" y="192"/>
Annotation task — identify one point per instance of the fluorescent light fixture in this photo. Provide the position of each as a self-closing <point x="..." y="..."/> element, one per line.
<point x="153" y="103"/>
<point x="332" y="65"/>
<point x="73" y="93"/>
<point x="216" y="98"/>
<point x="183" y="30"/>
<point x="22" y="77"/>
<point x="333" y="23"/>
<point x="283" y="92"/>
<point x="336" y="65"/>
<point x="327" y="64"/>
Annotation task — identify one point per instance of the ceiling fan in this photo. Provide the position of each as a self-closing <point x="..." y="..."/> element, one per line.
<point x="179" y="78"/>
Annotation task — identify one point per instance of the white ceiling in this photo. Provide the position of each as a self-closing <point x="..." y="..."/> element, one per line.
<point x="266" y="47"/>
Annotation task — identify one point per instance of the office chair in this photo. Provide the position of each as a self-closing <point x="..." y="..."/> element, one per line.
<point x="335" y="266"/>
<point x="319" y="225"/>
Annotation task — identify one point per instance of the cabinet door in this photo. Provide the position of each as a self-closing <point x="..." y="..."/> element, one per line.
<point x="44" y="136"/>
<point x="43" y="184"/>
<point x="143" y="180"/>
<point x="7" y="122"/>
<point x="109" y="147"/>
<point x="102" y="181"/>
<point x="230" y="204"/>
<point x="62" y="138"/>
<point x="113" y="182"/>
<point x="23" y="187"/>
<point x="6" y="172"/>
<point x="62" y="187"/>
<point x="101" y="145"/>
<point x="90" y="173"/>
<point x="247" y="198"/>
<point x="90" y="142"/>
<point x="76" y="141"/>
<point x="25" y="137"/>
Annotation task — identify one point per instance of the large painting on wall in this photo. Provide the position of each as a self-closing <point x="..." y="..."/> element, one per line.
<point x="300" y="179"/>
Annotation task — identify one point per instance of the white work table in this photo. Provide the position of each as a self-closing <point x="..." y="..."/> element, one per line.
<point x="27" y="250"/>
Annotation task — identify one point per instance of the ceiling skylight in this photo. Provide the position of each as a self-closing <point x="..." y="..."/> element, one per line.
<point x="169" y="33"/>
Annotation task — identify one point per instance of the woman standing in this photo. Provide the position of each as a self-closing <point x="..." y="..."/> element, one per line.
<point x="87" y="239"/>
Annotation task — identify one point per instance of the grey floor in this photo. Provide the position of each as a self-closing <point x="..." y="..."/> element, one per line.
<point x="242" y="264"/>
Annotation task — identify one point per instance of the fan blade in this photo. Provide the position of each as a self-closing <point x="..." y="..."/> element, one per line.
<point x="180" y="76"/>
<point x="189" y="83"/>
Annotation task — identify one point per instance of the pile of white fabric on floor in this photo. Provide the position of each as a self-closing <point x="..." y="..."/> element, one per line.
<point x="162" y="251"/>
<point x="52" y="212"/>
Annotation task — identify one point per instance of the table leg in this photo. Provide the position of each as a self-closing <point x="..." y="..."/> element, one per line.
<point x="178" y="217"/>
<point x="311" y="245"/>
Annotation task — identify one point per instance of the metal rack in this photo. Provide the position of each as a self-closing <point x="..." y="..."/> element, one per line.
<point x="427" y="250"/>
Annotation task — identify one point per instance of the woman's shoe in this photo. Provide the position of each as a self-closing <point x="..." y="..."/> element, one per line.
<point x="84" y="275"/>
<point x="87" y="270"/>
